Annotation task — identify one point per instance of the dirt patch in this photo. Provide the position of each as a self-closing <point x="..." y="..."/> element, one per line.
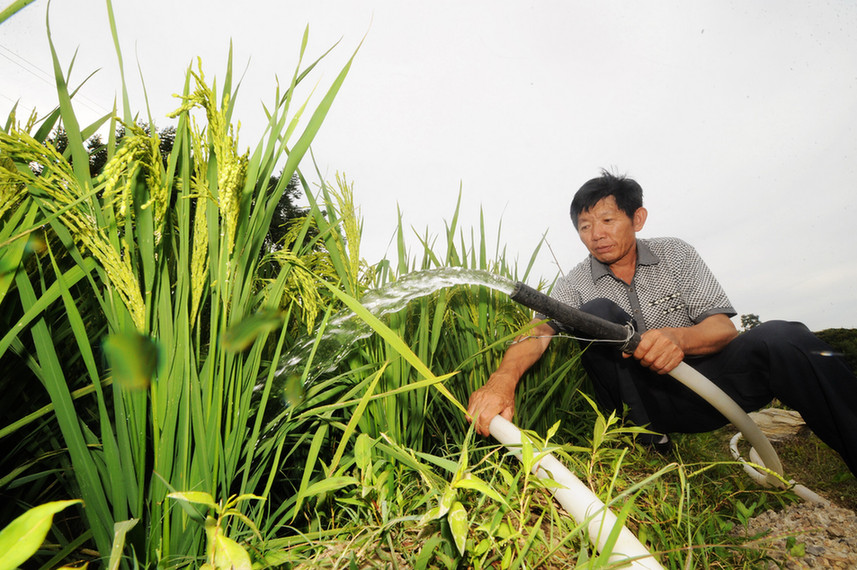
<point x="806" y="535"/>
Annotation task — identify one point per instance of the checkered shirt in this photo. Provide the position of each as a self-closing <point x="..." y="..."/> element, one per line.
<point x="672" y="286"/>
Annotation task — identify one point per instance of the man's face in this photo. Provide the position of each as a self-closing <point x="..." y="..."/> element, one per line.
<point x="608" y="233"/>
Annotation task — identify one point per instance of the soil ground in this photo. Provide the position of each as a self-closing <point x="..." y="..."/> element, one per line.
<point x="813" y="536"/>
<point x="801" y="535"/>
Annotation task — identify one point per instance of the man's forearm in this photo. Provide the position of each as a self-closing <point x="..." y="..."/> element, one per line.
<point x="661" y="350"/>
<point x="525" y="352"/>
<point x="497" y="396"/>
<point x="708" y="337"/>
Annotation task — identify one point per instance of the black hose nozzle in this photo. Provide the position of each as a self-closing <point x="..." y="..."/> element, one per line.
<point x="582" y="322"/>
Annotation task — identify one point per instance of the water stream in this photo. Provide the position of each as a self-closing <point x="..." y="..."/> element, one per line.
<point x="346" y="328"/>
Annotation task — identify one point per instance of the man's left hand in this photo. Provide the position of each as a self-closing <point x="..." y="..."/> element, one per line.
<point x="659" y="350"/>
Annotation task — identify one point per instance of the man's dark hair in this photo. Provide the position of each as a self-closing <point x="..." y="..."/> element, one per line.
<point x="627" y="193"/>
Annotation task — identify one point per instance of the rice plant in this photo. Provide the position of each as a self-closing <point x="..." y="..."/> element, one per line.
<point x="128" y="315"/>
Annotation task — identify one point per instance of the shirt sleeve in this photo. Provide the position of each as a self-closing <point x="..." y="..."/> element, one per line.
<point x="701" y="291"/>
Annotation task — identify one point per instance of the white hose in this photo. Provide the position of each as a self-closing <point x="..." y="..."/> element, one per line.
<point x="579" y="502"/>
<point x="712" y="394"/>
<point x="761" y="451"/>
<point x="760" y="478"/>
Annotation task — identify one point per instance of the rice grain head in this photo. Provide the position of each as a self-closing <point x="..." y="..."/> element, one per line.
<point x="223" y="139"/>
<point x="199" y="254"/>
<point x="138" y="151"/>
<point x="57" y="181"/>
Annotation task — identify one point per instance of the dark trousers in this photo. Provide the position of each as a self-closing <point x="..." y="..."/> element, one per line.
<point x="776" y="359"/>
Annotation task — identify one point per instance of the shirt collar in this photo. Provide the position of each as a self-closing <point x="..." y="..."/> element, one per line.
<point x="645" y="256"/>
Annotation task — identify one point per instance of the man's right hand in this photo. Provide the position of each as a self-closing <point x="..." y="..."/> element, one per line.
<point x="497" y="396"/>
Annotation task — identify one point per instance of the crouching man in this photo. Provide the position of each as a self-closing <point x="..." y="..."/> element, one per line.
<point x="665" y="290"/>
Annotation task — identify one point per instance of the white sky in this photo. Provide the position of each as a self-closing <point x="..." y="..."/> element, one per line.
<point x="739" y="119"/>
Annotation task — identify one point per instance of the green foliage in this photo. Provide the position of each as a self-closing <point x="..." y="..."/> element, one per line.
<point x="23" y="536"/>
<point x="749" y="321"/>
<point x="221" y="551"/>
<point x="843" y="341"/>
<point x="146" y="316"/>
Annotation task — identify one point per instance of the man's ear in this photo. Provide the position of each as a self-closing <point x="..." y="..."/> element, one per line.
<point x="640" y="218"/>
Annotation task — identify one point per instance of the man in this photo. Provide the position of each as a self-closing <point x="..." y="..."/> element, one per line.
<point x="664" y="289"/>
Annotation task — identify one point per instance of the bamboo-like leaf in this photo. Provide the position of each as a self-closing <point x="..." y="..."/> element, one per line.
<point x="432" y="514"/>
<point x="229" y="554"/>
<point x="330" y="484"/>
<point x="471" y="481"/>
<point x="363" y="451"/>
<point x="457" y="518"/>
<point x="447" y="500"/>
<point x="196" y="497"/>
<point x="25" y="534"/>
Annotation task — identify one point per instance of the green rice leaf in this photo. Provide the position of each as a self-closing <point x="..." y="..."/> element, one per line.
<point x="14" y="8"/>
<point x="12" y="254"/>
<point x="395" y="341"/>
<point x="120" y="529"/>
<point x="355" y="417"/>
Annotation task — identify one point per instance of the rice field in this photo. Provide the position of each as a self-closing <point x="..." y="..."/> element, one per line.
<point x="148" y="414"/>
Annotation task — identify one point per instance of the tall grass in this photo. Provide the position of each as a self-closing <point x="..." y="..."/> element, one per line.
<point x="125" y="316"/>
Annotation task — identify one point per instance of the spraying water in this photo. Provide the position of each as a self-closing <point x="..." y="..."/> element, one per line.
<point x="346" y="328"/>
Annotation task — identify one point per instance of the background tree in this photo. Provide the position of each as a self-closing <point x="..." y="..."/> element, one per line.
<point x="286" y="211"/>
<point x="749" y="321"/>
<point x="96" y="148"/>
<point x="843" y="341"/>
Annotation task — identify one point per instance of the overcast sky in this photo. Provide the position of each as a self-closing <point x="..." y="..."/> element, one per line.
<point x="739" y="119"/>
